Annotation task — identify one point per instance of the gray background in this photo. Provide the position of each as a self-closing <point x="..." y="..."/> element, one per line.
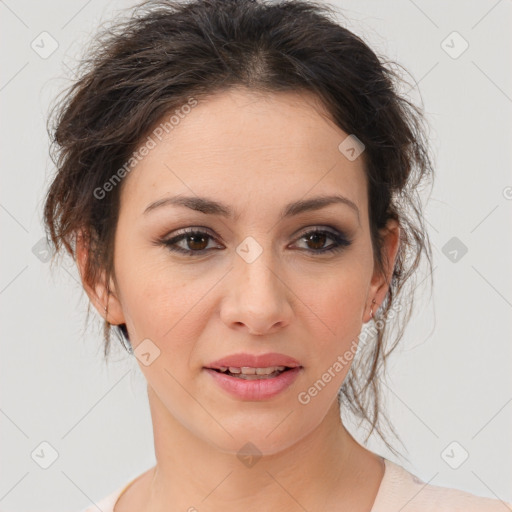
<point x="450" y="381"/>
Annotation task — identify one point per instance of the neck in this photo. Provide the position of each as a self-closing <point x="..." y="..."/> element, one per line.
<point x="321" y="468"/>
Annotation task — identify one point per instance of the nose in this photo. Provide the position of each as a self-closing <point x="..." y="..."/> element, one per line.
<point x="258" y="299"/>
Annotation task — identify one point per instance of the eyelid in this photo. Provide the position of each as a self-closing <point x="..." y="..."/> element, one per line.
<point x="320" y="227"/>
<point x="340" y="240"/>
<point x="339" y="232"/>
<point x="298" y="234"/>
<point x="187" y="231"/>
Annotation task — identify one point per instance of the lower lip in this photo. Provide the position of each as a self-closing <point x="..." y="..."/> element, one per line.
<point x="257" y="389"/>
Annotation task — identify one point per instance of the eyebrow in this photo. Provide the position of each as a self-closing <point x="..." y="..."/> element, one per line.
<point x="211" y="207"/>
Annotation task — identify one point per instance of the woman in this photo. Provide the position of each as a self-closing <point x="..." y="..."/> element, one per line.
<point x="237" y="182"/>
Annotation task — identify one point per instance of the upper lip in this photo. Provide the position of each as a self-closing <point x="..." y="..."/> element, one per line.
<point x="254" y="361"/>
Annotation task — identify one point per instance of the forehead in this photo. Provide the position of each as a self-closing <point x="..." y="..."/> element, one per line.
<point x="241" y="144"/>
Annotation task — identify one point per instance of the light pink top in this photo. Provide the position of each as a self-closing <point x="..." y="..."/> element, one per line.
<point x="399" y="491"/>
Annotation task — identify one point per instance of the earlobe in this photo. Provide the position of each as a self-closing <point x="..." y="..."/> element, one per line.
<point x="101" y="294"/>
<point x="381" y="278"/>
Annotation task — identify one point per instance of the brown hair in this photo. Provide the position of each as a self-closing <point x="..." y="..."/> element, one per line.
<point x="152" y="62"/>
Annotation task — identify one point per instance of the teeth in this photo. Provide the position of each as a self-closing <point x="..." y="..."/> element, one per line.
<point x="247" y="370"/>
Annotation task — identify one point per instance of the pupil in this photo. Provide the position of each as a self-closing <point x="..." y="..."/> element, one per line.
<point x="314" y="236"/>
<point x="193" y="239"/>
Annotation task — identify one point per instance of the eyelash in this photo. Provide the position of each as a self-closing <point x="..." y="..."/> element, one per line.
<point x="340" y="241"/>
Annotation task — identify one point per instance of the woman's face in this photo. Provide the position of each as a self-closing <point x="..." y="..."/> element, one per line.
<point x="254" y="281"/>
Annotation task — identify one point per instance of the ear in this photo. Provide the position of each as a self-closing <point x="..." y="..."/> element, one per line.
<point x="381" y="278"/>
<point x="100" y="294"/>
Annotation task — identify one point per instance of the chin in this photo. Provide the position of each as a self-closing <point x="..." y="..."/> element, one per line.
<point x="247" y="440"/>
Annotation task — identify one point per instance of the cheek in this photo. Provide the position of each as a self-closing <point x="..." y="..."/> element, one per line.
<point x="338" y="304"/>
<point x="160" y="301"/>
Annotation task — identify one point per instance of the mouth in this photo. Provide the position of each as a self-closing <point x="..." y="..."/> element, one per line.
<point x="249" y="373"/>
<point x="254" y="384"/>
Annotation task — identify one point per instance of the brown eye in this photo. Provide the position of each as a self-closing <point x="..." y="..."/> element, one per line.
<point x="197" y="242"/>
<point x="189" y="242"/>
<point x="316" y="239"/>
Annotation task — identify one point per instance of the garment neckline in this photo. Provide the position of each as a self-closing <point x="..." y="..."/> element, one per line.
<point x="382" y="490"/>
<point x="388" y="480"/>
<point x="122" y="490"/>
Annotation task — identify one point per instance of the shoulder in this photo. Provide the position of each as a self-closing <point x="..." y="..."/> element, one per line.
<point x="444" y="499"/>
<point x="404" y="491"/>
<point x="107" y="503"/>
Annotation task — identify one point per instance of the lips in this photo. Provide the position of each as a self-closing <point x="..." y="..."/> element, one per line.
<point x="255" y="388"/>
<point x="247" y="372"/>
<point x="254" y="361"/>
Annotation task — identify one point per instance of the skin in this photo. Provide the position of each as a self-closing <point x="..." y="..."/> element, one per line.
<point x="256" y="153"/>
